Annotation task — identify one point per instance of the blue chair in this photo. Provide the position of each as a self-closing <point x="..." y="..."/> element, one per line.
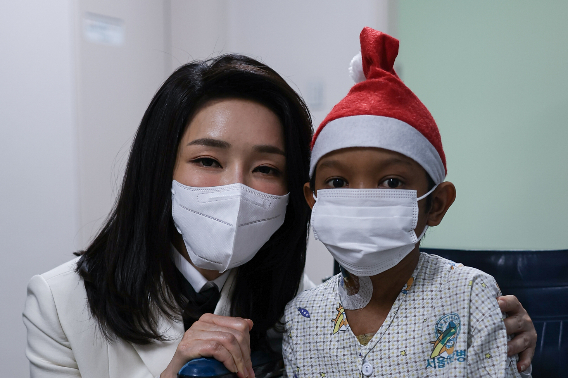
<point x="264" y="364"/>
<point x="540" y="280"/>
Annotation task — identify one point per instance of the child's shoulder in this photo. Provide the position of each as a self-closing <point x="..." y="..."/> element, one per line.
<point x="317" y="296"/>
<point x="457" y="275"/>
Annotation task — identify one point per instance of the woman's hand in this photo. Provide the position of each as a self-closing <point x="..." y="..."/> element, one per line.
<point x="224" y="338"/>
<point x="519" y="323"/>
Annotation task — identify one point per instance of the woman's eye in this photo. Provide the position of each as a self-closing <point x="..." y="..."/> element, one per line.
<point x="337" y="183"/>
<point x="207" y="162"/>
<point x="266" y="170"/>
<point x="391" y="183"/>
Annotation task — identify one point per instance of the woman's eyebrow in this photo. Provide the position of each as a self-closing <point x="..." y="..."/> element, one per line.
<point x="210" y="142"/>
<point x="266" y="148"/>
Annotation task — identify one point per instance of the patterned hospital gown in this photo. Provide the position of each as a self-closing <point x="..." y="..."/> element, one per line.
<point x="445" y="323"/>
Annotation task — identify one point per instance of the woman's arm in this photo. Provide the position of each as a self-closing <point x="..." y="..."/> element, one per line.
<point x="48" y="349"/>
<point x="520" y="325"/>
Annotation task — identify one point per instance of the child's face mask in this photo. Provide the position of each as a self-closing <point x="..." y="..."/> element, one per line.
<point x="367" y="231"/>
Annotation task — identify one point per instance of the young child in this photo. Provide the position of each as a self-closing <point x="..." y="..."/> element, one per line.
<point x="377" y="182"/>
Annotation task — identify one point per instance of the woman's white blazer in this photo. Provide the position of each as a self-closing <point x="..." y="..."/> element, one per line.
<point x="64" y="339"/>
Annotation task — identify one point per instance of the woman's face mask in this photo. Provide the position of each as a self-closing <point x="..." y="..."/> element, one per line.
<point x="224" y="226"/>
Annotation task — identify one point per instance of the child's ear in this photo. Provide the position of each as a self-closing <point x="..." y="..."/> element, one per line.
<point x="309" y="195"/>
<point x="442" y="199"/>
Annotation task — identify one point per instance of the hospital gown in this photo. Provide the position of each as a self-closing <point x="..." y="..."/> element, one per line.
<point x="445" y="322"/>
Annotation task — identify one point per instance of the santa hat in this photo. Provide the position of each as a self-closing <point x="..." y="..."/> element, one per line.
<point x="380" y="111"/>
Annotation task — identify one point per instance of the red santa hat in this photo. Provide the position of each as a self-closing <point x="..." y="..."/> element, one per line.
<point x="380" y="111"/>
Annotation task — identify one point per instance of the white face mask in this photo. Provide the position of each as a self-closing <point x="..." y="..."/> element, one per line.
<point x="367" y="231"/>
<point x="224" y="226"/>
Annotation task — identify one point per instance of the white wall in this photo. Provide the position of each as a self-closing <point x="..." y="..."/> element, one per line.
<point x="38" y="171"/>
<point x="198" y="30"/>
<point x="115" y="85"/>
<point x="309" y="43"/>
<point x="68" y="110"/>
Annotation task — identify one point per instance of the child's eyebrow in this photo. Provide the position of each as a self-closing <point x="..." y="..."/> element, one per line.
<point x="330" y="164"/>
<point x="395" y="160"/>
<point x="387" y="162"/>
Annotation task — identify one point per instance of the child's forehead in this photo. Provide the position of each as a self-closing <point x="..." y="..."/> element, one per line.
<point x="369" y="159"/>
<point x="365" y="155"/>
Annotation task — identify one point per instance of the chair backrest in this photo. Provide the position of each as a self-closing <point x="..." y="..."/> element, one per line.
<point x="539" y="279"/>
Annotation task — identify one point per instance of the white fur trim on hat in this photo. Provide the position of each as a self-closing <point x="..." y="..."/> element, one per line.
<point x="356" y="69"/>
<point x="382" y="132"/>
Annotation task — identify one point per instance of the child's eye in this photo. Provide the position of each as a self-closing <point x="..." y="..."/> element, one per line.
<point x="207" y="162"/>
<point x="337" y="183"/>
<point x="391" y="183"/>
<point x="266" y="170"/>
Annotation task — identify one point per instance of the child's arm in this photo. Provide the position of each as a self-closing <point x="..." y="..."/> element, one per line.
<point x="487" y="338"/>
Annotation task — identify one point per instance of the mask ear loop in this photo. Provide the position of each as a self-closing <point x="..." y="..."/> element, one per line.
<point x="421" y="198"/>
<point x="311" y="222"/>
<point x="427" y="194"/>
<point x="422" y="234"/>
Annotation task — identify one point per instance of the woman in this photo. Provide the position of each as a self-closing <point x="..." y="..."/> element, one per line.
<point x="131" y="305"/>
<point x="124" y="293"/>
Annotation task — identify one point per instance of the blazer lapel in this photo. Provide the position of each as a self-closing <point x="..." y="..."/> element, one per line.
<point x="157" y="355"/>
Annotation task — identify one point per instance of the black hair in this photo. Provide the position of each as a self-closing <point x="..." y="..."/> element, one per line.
<point x="127" y="270"/>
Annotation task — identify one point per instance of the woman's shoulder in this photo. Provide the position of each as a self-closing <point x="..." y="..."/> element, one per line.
<point x="58" y="295"/>
<point x="63" y="272"/>
<point x="61" y="280"/>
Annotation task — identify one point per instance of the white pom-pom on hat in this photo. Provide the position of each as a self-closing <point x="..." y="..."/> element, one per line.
<point x="356" y="69"/>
